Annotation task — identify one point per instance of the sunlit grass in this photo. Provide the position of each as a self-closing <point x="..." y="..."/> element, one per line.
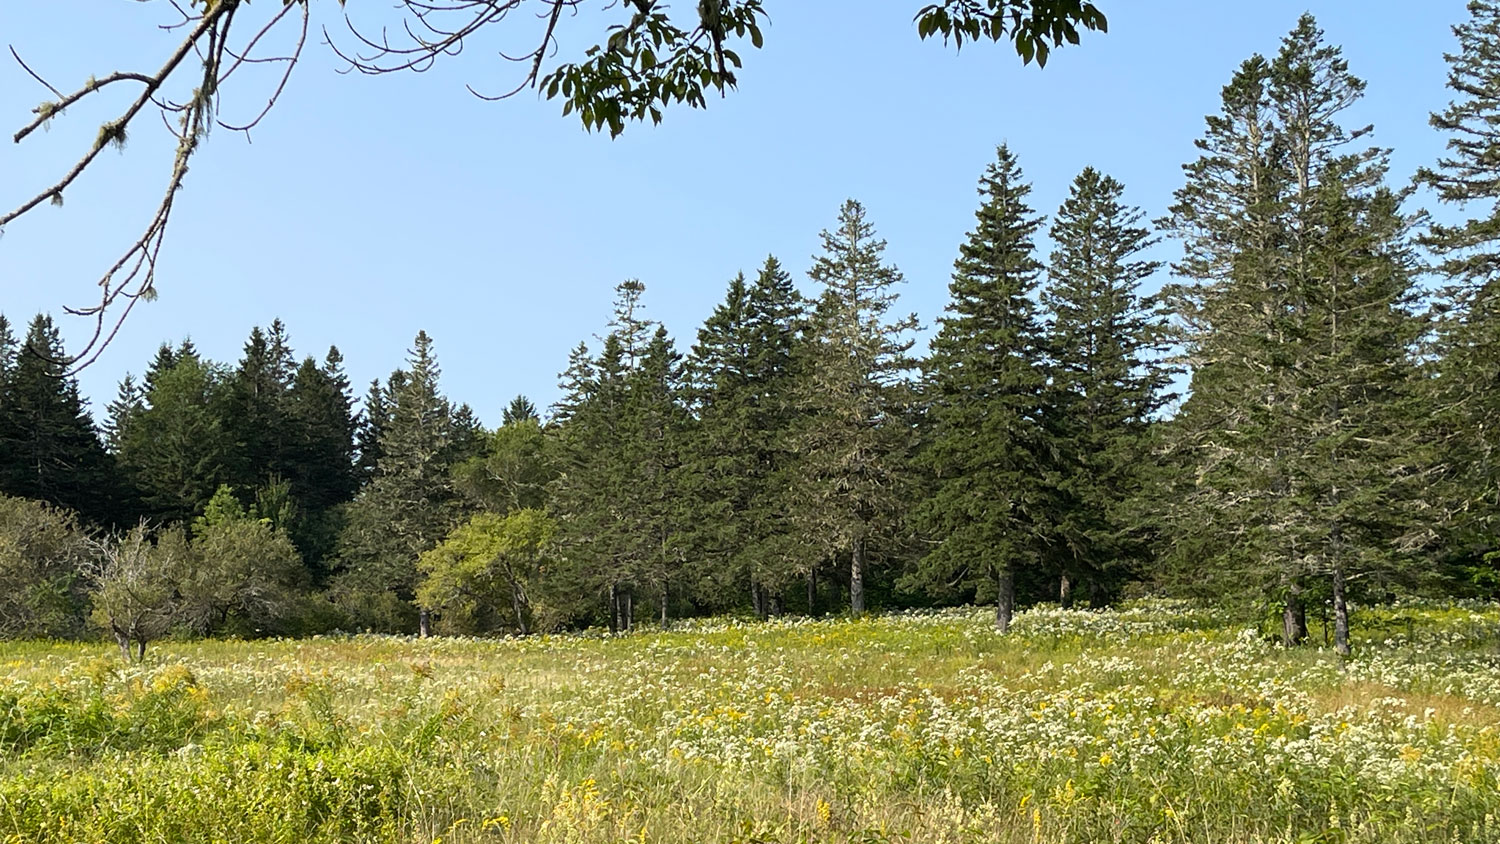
<point x="1160" y="722"/>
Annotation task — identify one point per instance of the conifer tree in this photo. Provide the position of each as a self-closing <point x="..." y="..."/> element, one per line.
<point x="652" y="445"/>
<point x="320" y="454"/>
<point x="617" y="430"/>
<point x="520" y="409"/>
<point x="256" y="408"/>
<point x="130" y="400"/>
<point x="373" y="417"/>
<point x="740" y="375"/>
<point x="176" y="451"/>
<point x="851" y="442"/>
<point x="165" y="359"/>
<point x="7" y="348"/>
<point x="1466" y="401"/>
<point x="51" y="451"/>
<point x="589" y="493"/>
<point x="410" y="505"/>
<point x="993" y="510"/>
<point x="1297" y="333"/>
<point x="1107" y="381"/>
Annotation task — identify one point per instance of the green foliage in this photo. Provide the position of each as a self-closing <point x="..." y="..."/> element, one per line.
<point x="993" y="511"/>
<point x="652" y="61"/>
<point x="737" y="459"/>
<point x="850" y="438"/>
<point x="411" y="503"/>
<point x="488" y="562"/>
<point x="1296" y="320"/>
<point x="514" y="470"/>
<point x="49" y="449"/>
<point x="619" y="446"/>
<point x="178" y="449"/>
<point x="133" y="586"/>
<point x="1075" y="727"/>
<point x="81" y="721"/>
<point x="1463" y="399"/>
<point x="243" y="575"/>
<point x="42" y="554"/>
<point x="1108" y="383"/>
<point x="1035" y="26"/>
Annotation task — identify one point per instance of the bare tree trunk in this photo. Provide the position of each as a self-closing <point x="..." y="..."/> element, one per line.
<point x="1005" y="599"/>
<point x="812" y="591"/>
<point x="140" y="650"/>
<point x="1294" y="619"/>
<point x="629" y="611"/>
<point x="123" y="641"/>
<point x="773" y="605"/>
<point x="758" y="599"/>
<point x="1065" y="592"/>
<point x="857" y="577"/>
<point x="424" y="623"/>
<point x="515" y="604"/>
<point x="1340" y="613"/>
<point x="664" y="607"/>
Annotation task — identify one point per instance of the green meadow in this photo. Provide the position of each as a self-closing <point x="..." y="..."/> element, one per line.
<point x="1157" y="722"/>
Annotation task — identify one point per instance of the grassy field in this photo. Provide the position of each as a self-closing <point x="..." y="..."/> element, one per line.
<point x="1155" y="723"/>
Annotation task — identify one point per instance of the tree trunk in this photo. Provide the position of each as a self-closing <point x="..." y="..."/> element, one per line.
<point x="1005" y="599"/>
<point x="857" y="578"/>
<point x="1065" y="592"/>
<point x="140" y="650"/>
<point x="812" y="592"/>
<point x="1294" y="619"/>
<point x="515" y="604"/>
<point x="424" y="623"/>
<point x="664" y="596"/>
<point x="629" y="611"/>
<point x="1340" y="613"/>
<point x="758" y="599"/>
<point x="773" y="605"/>
<point x="124" y="642"/>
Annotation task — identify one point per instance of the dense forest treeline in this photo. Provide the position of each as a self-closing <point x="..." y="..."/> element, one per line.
<point x="1337" y="440"/>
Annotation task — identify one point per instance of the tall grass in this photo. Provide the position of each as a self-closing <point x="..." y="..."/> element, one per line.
<point x="1155" y="723"/>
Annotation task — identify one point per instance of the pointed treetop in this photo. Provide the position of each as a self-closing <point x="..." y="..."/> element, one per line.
<point x="520" y="409"/>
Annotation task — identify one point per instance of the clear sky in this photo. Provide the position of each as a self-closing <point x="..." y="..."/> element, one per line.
<point x="368" y="208"/>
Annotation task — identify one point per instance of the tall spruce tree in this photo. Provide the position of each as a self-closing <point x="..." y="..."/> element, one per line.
<point x="50" y="448"/>
<point x="520" y="409"/>
<point x="652" y="444"/>
<point x="409" y="506"/>
<point x="321" y="473"/>
<point x="374" y="415"/>
<point x="1107" y="382"/>
<point x="256" y="408"/>
<point x="176" y="451"/>
<point x="1297" y="333"/>
<point x="993" y="510"/>
<point x="618" y="439"/>
<point x="589" y="493"/>
<point x="741" y="375"/>
<point x="130" y="400"/>
<point x="851" y="443"/>
<point x="717" y="472"/>
<point x="1466" y="400"/>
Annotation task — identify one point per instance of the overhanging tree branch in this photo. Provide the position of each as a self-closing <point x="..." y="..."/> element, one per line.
<point x="654" y="58"/>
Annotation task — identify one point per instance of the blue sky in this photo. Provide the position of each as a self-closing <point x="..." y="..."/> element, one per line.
<point x="368" y="208"/>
